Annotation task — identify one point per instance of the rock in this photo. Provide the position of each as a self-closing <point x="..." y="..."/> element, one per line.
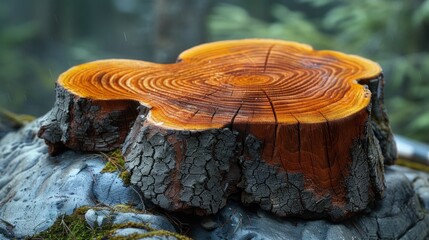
<point x="35" y="190"/>
<point x="4" y="129"/>
<point x="128" y="231"/>
<point x="5" y="229"/>
<point x="118" y="194"/>
<point x="420" y="181"/>
<point x="153" y="221"/>
<point x="208" y="223"/>
<point x="98" y="218"/>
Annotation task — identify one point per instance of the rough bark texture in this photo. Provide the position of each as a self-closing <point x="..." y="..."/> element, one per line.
<point x="85" y="124"/>
<point x="380" y="121"/>
<point x="196" y="171"/>
<point x="176" y="169"/>
<point x="286" y="194"/>
<point x="289" y="128"/>
<point x="183" y="170"/>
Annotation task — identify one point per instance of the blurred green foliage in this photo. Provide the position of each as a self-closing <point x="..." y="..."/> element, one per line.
<point x="15" y="65"/>
<point x="41" y="39"/>
<point x="233" y="22"/>
<point x="391" y="32"/>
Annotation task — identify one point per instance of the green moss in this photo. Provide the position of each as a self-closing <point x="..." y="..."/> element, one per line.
<point x="75" y="227"/>
<point x="158" y="233"/>
<point x="126" y="177"/>
<point x="126" y="208"/>
<point x="116" y="163"/>
<point x="412" y="165"/>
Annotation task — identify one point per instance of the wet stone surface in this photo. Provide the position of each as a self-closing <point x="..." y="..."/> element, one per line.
<point x="36" y="189"/>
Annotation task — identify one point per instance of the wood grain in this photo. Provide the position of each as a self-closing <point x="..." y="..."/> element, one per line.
<point x="233" y="82"/>
<point x="314" y="120"/>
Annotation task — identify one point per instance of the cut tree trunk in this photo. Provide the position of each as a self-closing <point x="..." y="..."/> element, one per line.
<point x="297" y="131"/>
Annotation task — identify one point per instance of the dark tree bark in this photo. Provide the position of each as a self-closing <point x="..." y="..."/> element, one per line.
<point x="298" y="132"/>
<point x="87" y="125"/>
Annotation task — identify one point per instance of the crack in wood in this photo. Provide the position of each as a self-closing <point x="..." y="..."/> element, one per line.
<point x="275" y="122"/>
<point x="268" y="56"/>
<point x="195" y="113"/>
<point x="214" y="113"/>
<point x="213" y="92"/>
<point x="299" y="139"/>
<point x="235" y="115"/>
<point x="328" y="139"/>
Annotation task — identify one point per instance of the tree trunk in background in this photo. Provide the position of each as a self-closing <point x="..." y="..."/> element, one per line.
<point x="179" y="25"/>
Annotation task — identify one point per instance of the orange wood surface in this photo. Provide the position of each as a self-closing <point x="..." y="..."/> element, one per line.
<point x="307" y="106"/>
<point x="242" y="81"/>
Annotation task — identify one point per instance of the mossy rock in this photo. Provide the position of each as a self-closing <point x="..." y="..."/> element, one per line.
<point x="76" y="226"/>
<point x="116" y="163"/>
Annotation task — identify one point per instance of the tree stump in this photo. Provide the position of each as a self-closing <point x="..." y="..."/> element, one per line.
<point x="298" y="132"/>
